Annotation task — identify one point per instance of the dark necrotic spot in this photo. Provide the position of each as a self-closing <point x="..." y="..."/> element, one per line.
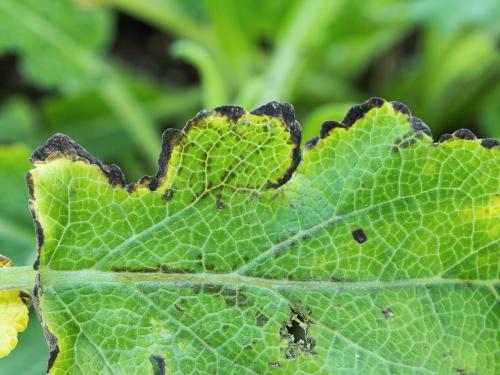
<point x="169" y="194"/>
<point x="170" y="138"/>
<point x="158" y="364"/>
<point x="233" y="113"/>
<point x="219" y="204"/>
<point x="209" y="267"/>
<point x="311" y="143"/>
<point x="419" y="126"/>
<point x="359" y="235"/>
<point x="329" y="126"/>
<point x="490" y="143"/>
<point x="261" y="319"/>
<point x="400" y="107"/>
<point x="179" y="308"/>
<point x="464" y="134"/>
<point x="408" y="143"/>
<point x="387" y="313"/>
<point x="358" y="111"/>
<point x="284" y="111"/>
<point x="445" y="137"/>
<point x="53" y="352"/>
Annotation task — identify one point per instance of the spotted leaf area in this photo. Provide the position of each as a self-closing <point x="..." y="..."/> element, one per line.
<point x="376" y="253"/>
<point x="13" y="315"/>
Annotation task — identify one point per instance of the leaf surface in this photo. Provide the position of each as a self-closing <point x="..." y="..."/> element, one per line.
<point x="16" y="228"/>
<point x="378" y="253"/>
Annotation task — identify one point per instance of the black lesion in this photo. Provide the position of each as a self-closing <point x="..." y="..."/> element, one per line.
<point x="261" y="319"/>
<point x="296" y="331"/>
<point x="158" y="364"/>
<point x="219" y="203"/>
<point x="169" y="194"/>
<point x="359" y="236"/>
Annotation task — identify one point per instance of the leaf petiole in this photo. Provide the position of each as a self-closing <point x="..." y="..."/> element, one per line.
<point x="17" y="278"/>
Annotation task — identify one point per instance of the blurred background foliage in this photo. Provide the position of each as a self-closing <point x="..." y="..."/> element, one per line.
<point x="113" y="74"/>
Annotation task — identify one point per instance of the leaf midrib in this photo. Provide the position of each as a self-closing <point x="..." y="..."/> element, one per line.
<point x="58" y="278"/>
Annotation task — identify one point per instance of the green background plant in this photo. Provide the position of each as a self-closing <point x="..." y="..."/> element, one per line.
<point x="77" y="67"/>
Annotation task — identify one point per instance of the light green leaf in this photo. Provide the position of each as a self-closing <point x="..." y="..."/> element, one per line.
<point x="377" y="254"/>
<point x="17" y="242"/>
<point x="16" y="227"/>
<point x="62" y="47"/>
<point x="214" y="90"/>
<point x="17" y="121"/>
<point x="57" y="52"/>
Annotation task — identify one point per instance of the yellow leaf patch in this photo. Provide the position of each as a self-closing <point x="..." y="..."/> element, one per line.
<point x="13" y="315"/>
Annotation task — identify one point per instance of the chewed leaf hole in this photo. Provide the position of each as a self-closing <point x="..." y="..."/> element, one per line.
<point x="297" y="329"/>
<point x="296" y="332"/>
<point x="158" y="364"/>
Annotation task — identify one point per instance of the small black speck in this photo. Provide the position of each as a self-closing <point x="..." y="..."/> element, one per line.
<point x="219" y="204"/>
<point x="169" y="194"/>
<point x="359" y="235"/>
<point x="388" y="313"/>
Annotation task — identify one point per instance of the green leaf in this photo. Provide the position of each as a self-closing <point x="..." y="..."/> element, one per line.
<point x="62" y="47"/>
<point x="17" y="121"/>
<point x="51" y="34"/>
<point x="377" y="254"/>
<point x="16" y="227"/>
<point x="17" y="242"/>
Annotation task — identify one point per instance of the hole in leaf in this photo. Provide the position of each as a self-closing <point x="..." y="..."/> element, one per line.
<point x="296" y="331"/>
<point x="297" y="328"/>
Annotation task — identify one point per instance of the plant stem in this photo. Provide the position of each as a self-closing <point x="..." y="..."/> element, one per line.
<point x="17" y="278"/>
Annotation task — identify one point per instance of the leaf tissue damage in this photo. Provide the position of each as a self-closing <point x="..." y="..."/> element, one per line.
<point x="377" y="253"/>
